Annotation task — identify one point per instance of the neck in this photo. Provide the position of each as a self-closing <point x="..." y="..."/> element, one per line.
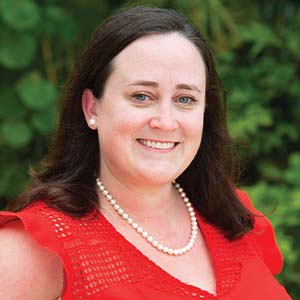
<point x="140" y="229"/>
<point x="143" y="203"/>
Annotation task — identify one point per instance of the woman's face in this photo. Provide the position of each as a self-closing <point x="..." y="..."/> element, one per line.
<point x="150" y="117"/>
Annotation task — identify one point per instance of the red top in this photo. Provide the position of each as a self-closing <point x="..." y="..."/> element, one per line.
<point x="99" y="263"/>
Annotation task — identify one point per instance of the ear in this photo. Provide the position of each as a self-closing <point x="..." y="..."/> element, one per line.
<point x="89" y="107"/>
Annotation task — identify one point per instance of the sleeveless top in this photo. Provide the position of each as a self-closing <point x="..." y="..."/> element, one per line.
<point x="99" y="263"/>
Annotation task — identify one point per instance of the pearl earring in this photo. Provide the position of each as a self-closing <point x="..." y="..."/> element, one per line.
<point x="92" y="121"/>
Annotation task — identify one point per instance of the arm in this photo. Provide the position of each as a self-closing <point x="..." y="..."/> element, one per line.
<point x="28" y="271"/>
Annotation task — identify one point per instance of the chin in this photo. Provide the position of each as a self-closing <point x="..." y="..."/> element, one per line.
<point x="159" y="177"/>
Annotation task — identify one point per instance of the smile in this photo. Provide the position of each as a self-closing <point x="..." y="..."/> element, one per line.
<point x="157" y="145"/>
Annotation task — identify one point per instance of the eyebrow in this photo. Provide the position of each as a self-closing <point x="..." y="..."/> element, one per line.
<point x="183" y="86"/>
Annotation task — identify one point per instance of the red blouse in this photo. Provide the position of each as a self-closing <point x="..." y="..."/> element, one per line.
<point x="99" y="263"/>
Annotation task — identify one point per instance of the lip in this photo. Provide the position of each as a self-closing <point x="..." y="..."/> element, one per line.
<point x="157" y="145"/>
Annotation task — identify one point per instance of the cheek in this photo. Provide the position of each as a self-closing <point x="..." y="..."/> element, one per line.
<point x="119" y="128"/>
<point x="194" y="128"/>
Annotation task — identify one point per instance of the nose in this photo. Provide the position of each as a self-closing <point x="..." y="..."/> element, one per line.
<point x="164" y="118"/>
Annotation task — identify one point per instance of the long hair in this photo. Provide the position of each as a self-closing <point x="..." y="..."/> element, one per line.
<point x="66" y="180"/>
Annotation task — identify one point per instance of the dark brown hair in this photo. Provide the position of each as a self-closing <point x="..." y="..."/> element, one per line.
<point x="67" y="179"/>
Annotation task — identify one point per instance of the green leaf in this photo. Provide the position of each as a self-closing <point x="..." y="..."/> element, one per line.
<point x="43" y="121"/>
<point x="16" y="49"/>
<point x="11" y="108"/>
<point x="59" y="22"/>
<point x="19" y="15"/>
<point x="36" y="92"/>
<point x="260" y="35"/>
<point x="16" y="134"/>
<point x="13" y="177"/>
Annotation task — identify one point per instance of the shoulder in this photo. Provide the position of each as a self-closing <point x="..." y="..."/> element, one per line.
<point x="31" y="271"/>
<point x="263" y="235"/>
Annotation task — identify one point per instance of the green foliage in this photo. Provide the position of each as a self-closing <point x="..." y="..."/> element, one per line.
<point x="257" y="48"/>
<point x="32" y="87"/>
<point x="19" y="15"/>
<point x="17" y="49"/>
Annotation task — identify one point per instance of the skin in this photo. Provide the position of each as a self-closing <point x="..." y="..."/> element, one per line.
<point x="31" y="272"/>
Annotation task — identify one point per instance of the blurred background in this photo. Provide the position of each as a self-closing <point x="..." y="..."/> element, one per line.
<point x="257" y="49"/>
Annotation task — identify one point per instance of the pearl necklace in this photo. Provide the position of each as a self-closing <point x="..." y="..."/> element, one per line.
<point x="144" y="234"/>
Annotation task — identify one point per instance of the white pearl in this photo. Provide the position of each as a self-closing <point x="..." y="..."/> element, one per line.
<point x="150" y="239"/>
<point x="193" y="238"/>
<point x="125" y="216"/>
<point x="170" y="251"/>
<point x="139" y="229"/>
<point x="144" y="234"/>
<point x="155" y="244"/>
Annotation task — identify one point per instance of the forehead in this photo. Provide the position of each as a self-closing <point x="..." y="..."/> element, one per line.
<point x="158" y="55"/>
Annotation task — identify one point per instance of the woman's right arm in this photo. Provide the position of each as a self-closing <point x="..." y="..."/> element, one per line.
<point x="28" y="271"/>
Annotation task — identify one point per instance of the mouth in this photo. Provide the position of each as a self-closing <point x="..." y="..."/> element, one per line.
<point x="158" y="144"/>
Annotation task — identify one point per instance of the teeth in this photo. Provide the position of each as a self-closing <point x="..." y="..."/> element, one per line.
<point x="157" y="145"/>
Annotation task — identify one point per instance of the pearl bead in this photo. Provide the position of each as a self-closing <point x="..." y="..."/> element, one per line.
<point x="160" y="247"/>
<point x="150" y="239"/>
<point x="155" y="244"/>
<point x="190" y="209"/>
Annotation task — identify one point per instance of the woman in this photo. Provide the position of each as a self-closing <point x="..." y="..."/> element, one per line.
<point x="129" y="205"/>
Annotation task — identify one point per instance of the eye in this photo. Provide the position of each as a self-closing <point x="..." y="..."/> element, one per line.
<point x="141" y="97"/>
<point x="186" y="100"/>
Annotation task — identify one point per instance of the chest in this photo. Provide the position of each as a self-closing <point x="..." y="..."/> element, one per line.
<point x="109" y="265"/>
